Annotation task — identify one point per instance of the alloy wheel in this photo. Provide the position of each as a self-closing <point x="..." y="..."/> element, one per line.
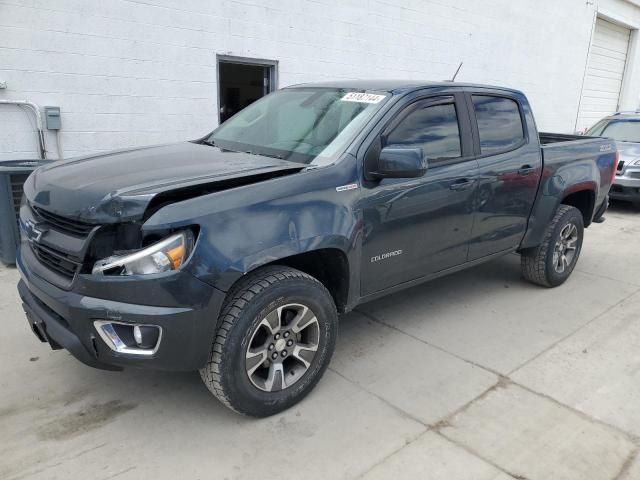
<point x="282" y="347"/>
<point x="564" y="251"/>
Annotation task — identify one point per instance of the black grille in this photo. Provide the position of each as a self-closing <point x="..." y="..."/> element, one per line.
<point x="55" y="260"/>
<point x="17" y="182"/>
<point x="63" y="224"/>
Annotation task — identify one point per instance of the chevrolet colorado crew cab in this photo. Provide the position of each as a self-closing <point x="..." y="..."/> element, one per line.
<point x="233" y="254"/>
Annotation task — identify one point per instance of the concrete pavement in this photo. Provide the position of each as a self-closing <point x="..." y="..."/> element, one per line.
<point x="477" y="376"/>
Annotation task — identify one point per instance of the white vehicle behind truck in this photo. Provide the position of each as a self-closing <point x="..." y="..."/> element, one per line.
<point x="624" y="128"/>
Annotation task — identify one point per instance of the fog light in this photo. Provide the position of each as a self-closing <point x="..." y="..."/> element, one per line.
<point x="146" y="336"/>
<point x="128" y="338"/>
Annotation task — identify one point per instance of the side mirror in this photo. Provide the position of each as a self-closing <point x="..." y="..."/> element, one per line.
<point x="398" y="162"/>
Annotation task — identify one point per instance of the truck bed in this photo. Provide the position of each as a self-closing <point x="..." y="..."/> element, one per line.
<point x="560" y="149"/>
<point x="546" y="138"/>
<point x="590" y="153"/>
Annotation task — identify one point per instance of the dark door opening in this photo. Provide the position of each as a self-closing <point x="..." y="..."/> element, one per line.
<point x="242" y="82"/>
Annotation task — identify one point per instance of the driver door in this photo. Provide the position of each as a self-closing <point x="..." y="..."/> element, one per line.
<point x="420" y="226"/>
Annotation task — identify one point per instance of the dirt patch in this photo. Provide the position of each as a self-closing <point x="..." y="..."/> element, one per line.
<point x="9" y="411"/>
<point x="74" y="396"/>
<point x="89" y="418"/>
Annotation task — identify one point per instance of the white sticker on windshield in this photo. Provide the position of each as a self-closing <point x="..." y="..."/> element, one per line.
<point x="362" y="97"/>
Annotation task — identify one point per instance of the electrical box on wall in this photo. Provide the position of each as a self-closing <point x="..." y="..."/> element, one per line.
<point x="52" y="117"/>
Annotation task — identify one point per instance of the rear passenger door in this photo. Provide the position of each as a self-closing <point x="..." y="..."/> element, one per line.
<point x="509" y="167"/>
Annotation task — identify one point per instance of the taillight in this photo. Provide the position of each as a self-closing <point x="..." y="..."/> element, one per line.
<point x="615" y="166"/>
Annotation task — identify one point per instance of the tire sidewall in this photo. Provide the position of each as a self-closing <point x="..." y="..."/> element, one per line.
<point x="245" y="396"/>
<point x="574" y="216"/>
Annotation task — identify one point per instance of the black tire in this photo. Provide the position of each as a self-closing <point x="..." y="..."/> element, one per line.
<point x="254" y="297"/>
<point x="538" y="263"/>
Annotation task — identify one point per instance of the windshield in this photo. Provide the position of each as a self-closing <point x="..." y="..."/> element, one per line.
<point x="304" y="125"/>
<point x="622" y="130"/>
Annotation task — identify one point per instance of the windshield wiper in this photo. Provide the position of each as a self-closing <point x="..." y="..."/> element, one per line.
<point x="211" y="143"/>
<point x="279" y="157"/>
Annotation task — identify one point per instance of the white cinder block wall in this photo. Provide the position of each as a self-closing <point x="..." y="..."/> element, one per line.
<point x="135" y="72"/>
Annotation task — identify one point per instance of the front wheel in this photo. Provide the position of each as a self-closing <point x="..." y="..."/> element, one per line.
<point x="551" y="263"/>
<point x="276" y="337"/>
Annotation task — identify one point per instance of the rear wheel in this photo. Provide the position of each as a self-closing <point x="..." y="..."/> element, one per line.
<point x="275" y="341"/>
<point x="551" y="263"/>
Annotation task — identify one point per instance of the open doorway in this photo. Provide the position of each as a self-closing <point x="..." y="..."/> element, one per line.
<point x="242" y="81"/>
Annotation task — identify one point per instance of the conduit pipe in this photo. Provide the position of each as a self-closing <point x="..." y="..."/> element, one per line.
<point x="36" y="111"/>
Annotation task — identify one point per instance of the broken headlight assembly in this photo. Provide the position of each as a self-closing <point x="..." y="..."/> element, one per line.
<point x="163" y="256"/>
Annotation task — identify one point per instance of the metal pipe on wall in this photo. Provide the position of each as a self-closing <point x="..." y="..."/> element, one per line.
<point x="36" y="111"/>
<point x="59" y="145"/>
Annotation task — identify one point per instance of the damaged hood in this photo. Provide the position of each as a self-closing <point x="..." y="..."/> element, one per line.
<point x="118" y="186"/>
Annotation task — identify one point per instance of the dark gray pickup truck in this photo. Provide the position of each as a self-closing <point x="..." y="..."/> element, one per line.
<point x="234" y="254"/>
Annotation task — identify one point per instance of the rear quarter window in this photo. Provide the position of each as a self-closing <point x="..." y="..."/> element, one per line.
<point x="499" y="123"/>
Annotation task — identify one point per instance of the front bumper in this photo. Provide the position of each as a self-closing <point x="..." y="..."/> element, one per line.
<point x="65" y="319"/>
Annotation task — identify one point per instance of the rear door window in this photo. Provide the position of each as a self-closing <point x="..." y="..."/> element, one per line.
<point x="499" y="123"/>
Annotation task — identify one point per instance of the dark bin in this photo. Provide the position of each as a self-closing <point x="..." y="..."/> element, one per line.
<point x="13" y="174"/>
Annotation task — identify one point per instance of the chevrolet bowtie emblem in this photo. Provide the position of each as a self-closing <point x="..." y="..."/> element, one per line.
<point x="32" y="231"/>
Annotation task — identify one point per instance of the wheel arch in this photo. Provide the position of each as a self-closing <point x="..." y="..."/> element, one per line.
<point x="581" y="196"/>
<point x="329" y="264"/>
<point x="584" y="200"/>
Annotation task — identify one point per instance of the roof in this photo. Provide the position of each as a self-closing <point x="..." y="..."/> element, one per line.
<point x="635" y="115"/>
<point x="394" y="86"/>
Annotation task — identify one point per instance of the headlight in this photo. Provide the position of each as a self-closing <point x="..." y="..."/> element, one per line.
<point x="637" y="162"/>
<point x="163" y="256"/>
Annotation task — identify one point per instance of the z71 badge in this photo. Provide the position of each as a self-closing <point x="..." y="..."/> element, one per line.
<point x="605" y="148"/>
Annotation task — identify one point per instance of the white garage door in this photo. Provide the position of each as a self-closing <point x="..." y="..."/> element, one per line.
<point x="605" y="69"/>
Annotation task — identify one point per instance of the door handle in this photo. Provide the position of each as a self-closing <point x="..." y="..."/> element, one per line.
<point x="462" y="184"/>
<point x="526" y="170"/>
